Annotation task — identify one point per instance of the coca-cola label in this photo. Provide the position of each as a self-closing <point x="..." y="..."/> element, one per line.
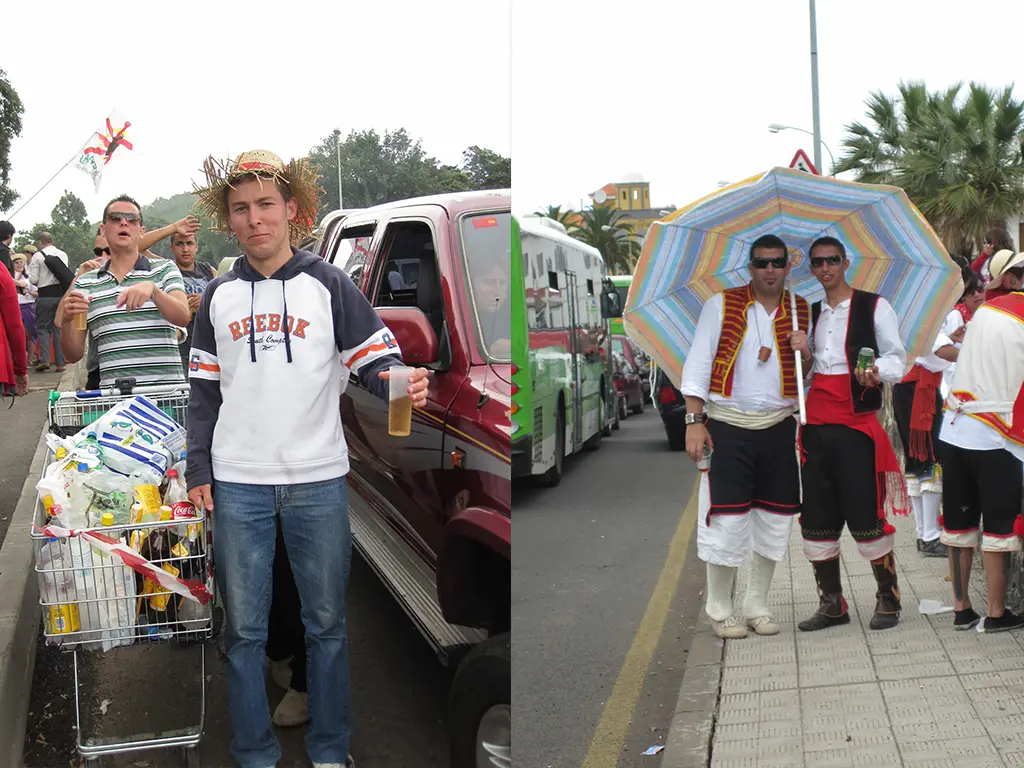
<point x="183" y="509"/>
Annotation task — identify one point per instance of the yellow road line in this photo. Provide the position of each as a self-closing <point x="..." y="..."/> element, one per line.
<point x="610" y="734"/>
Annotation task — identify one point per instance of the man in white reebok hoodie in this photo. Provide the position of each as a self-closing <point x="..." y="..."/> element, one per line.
<point x="274" y="340"/>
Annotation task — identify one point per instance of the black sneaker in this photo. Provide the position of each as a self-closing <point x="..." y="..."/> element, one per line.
<point x="919" y="543"/>
<point x="933" y="548"/>
<point x="1009" y="620"/>
<point x="966" y="619"/>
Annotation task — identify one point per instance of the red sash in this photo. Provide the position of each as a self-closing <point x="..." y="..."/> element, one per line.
<point x="830" y="402"/>
<point x="922" y="412"/>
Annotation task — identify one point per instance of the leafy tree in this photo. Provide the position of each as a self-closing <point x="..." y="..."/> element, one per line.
<point x="11" y="110"/>
<point x="566" y="218"/>
<point x="959" y="159"/>
<point x="377" y="169"/>
<point x="70" y="210"/>
<point x="487" y="169"/>
<point x="618" y="243"/>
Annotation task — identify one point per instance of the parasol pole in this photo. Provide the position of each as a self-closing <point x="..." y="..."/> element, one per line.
<point x="799" y="358"/>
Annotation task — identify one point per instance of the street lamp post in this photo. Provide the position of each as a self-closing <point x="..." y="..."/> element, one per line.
<point x="814" y="90"/>
<point x="776" y="127"/>
<point x="337" y="149"/>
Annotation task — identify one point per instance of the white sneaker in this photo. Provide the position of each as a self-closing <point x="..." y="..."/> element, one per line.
<point x="293" y="710"/>
<point x="729" y="628"/>
<point x="281" y="673"/>
<point x="349" y="763"/>
<point x="763" y="625"/>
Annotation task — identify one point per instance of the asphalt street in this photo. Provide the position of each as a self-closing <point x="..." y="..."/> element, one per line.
<point x="588" y="557"/>
<point x="399" y="689"/>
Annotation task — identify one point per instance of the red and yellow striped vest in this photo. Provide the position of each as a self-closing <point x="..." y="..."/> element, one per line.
<point x="734" y="324"/>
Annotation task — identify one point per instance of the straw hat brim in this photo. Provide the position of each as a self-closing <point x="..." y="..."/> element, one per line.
<point x="299" y="175"/>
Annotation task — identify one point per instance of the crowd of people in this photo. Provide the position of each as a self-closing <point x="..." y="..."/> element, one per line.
<point x="959" y="413"/>
<point x="280" y="320"/>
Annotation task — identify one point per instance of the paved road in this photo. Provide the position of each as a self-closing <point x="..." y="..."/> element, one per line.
<point x="19" y="434"/>
<point x="588" y="557"/>
<point x="399" y="694"/>
<point x="399" y="689"/>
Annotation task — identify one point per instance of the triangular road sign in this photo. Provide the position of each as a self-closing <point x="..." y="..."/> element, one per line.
<point x="803" y="163"/>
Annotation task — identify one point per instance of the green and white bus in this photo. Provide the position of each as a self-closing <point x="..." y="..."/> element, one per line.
<point x="621" y="283"/>
<point x="562" y="392"/>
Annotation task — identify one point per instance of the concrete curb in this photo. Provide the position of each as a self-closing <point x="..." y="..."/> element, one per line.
<point x="19" y="609"/>
<point x="688" y="743"/>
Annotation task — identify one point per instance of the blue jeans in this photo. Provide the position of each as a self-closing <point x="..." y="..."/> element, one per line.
<point x="314" y="520"/>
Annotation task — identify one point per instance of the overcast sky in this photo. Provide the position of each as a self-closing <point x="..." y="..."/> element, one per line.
<point x="199" y="78"/>
<point x="683" y="92"/>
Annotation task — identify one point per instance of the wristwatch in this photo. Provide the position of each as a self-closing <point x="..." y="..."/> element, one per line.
<point x="694" y="418"/>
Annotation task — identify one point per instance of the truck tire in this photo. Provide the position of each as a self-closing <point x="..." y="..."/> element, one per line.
<point x="480" y="707"/>
<point x="553" y="476"/>
<point x="606" y="430"/>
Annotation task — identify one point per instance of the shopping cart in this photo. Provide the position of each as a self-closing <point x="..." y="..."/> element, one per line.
<point x="91" y="601"/>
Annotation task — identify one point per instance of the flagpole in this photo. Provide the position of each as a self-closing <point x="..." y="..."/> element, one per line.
<point x="58" y="173"/>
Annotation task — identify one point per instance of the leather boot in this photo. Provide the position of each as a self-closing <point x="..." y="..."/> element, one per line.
<point x="832" y="610"/>
<point x="887" y="598"/>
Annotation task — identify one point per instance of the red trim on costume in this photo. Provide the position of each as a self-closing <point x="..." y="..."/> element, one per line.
<point x="922" y="411"/>
<point x="735" y="304"/>
<point x="830" y="401"/>
<point x="965" y="530"/>
<point x="999" y="535"/>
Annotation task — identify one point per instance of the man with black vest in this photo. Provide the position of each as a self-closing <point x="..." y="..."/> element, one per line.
<point x="851" y="476"/>
<point x="742" y="367"/>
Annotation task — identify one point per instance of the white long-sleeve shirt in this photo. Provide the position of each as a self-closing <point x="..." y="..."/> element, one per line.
<point x="756" y="386"/>
<point x="829" y="341"/>
<point x="39" y="273"/>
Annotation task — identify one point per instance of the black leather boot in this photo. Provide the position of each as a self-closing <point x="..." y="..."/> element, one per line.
<point x="887" y="602"/>
<point x="832" y="611"/>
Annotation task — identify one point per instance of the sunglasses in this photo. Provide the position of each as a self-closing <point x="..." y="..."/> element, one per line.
<point x="130" y="218"/>
<point x="100" y="251"/>
<point x="779" y="263"/>
<point x="817" y="262"/>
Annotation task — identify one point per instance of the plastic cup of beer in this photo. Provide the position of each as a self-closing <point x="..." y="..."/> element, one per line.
<point x="81" y="319"/>
<point x="400" y="404"/>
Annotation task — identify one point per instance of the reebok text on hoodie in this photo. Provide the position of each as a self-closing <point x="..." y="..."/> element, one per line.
<point x="270" y="358"/>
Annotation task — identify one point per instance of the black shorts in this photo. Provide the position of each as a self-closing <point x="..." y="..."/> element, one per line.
<point x="754" y="468"/>
<point x="980" y="488"/>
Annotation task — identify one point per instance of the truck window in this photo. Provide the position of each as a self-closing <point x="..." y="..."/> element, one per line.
<point x="409" y="276"/>
<point x="487" y="250"/>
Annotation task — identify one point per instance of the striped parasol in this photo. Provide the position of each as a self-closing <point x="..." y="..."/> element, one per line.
<point x="705" y="248"/>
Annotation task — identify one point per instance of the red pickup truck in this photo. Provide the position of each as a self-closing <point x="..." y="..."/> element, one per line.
<point x="431" y="513"/>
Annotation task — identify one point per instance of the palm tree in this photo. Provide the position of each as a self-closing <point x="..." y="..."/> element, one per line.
<point x="604" y="228"/>
<point x="555" y="212"/>
<point x="959" y="160"/>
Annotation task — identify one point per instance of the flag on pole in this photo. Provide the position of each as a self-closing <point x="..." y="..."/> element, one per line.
<point x="100" y="148"/>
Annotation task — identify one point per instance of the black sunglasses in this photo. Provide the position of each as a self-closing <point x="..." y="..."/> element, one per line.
<point x="779" y="263"/>
<point x="131" y="218"/>
<point x="100" y="251"/>
<point x="817" y="262"/>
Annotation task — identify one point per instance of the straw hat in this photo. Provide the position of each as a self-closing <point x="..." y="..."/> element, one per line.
<point x="29" y="249"/>
<point x="300" y="177"/>
<point x="1002" y="261"/>
<point x="19" y="257"/>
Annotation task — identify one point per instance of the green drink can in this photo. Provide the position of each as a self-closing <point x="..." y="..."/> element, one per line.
<point x="865" y="358"/>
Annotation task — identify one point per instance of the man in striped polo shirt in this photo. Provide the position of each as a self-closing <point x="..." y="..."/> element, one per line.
<point x="133" y="305"/>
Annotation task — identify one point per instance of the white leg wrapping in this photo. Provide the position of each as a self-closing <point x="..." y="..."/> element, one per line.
<point x="719" y="602"/>
<point x="917" y="502"/>
<point x="759" y="581"/>
<point x="727" y="540"/>
<point x="872" y="550"/>
<point x="770" y="533"/>
<point x="930" y="502"/>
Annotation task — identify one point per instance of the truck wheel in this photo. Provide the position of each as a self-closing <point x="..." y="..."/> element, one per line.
<point x="638" y="409"/>
<point x="480" y="707"/>
<point x="553" y="476"/>
<point x="606" y="429"/>
<point x="595" y="439"/>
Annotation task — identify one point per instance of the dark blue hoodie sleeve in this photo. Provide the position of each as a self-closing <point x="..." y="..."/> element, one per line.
<point x="366" y="345"/>
<point x="205" y="399"/>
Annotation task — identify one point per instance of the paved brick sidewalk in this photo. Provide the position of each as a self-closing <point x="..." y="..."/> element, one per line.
<point x="921" y="694"/>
